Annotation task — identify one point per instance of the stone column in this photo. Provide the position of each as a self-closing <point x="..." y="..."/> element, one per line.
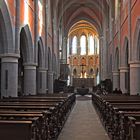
<point x="78" y="46"/>
<point x="41" y="87"/>
<point x="123" y="71"/>
<point x="9" y="76"/>
<point x="29" y="79"/>
<point x="64" y="50"/>
<point x="134" y="78"/>
<point x="116" y="79"/>
<point x="95" y="80"/>
<point x="46" y="81"/>
<point x="50" y="82"/>
<point x="70" y="46"/>
<point x="101" y="58"/>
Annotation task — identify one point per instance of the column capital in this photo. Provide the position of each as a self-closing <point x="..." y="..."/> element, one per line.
<point x="50" y="73"/>
<point x="14" y="55"/>
<point x="115" y="73"/>
<point x="42" y="69"/>
<point x="29" y="66"/>
<point x="134" y="64"/>
<point x="9" y="58"/>
<point x="124" y="69"/>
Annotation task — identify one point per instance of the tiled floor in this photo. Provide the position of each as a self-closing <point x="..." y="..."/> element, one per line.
<point x="83" y="123"/>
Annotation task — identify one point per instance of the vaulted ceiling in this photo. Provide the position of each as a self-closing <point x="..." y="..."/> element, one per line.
<point x="71" y="11"/>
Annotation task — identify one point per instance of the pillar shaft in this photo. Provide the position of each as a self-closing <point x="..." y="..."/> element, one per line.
<point x="9" y="76"/>
<point x="134" y="78"/>
<point x="50" y="82"/>
<point x="116" y="80"/>
<point x="124" y="71"/>
<point x="41" y="81"/>
<point x="29" y="79"/>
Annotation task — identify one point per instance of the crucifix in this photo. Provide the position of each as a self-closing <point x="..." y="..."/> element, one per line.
<point x="82" y="65"/>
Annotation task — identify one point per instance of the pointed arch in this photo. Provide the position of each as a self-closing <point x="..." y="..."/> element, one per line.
<point x="26" y="45"/>
<point x="126" y="47"/>
<point x="74" y="45"/>
<point x="136" y="42"/>
<point x="41" y="53"/>
<point x="6" y="30"/>
<point x="125" y="53"/>
<point x="83" y="44"/>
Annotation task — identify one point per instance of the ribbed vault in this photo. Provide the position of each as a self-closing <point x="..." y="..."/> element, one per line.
<point x="71" y="11"/>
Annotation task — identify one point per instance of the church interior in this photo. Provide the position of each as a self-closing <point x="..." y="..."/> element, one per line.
<point x="69" y="70"/>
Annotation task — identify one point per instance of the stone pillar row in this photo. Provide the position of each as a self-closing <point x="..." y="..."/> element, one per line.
<point x="134" y="78"/>
<point x="9" y="78"/>
<point x="119" y="80"/>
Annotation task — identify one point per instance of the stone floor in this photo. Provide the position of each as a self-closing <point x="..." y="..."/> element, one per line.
<point x="83" y="123"/>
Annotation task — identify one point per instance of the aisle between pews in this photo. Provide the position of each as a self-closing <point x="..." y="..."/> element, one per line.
<point x="83" y="123"/>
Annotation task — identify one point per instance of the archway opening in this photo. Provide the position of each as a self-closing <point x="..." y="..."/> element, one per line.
<point x="116" y="73"/>
<point x="39" y="68"/>
<point x="3" y="47"/>
<point x="127" y="73"/>
<point x="21" y="62"/>
<point x="20" y="76"/>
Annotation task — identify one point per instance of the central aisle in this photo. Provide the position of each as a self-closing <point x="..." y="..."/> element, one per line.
<point x="83" y="123"/>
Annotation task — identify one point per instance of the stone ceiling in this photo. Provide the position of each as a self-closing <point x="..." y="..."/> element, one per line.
<point x="71" y="11"/>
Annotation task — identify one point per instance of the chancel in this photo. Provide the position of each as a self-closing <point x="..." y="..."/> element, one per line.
<point x="69" y="70"/>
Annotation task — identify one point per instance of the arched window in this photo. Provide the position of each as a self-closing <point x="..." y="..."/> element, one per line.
<point x="83" y="44"/>
<point x="91" y="45"/>
<point x="74" y="45"/>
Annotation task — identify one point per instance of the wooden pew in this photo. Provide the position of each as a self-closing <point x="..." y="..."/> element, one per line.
<point x="53" y="112"/>
<point x="119" y="126"/>
<point x="19" y="129"/>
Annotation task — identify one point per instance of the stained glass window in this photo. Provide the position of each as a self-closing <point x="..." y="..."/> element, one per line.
<point x="91" y="45"/>
<point x="74" y="45"/>
<point x="83" y="44"/>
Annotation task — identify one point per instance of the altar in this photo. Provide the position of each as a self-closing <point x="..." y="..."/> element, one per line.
<point x="86" y="82"/>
